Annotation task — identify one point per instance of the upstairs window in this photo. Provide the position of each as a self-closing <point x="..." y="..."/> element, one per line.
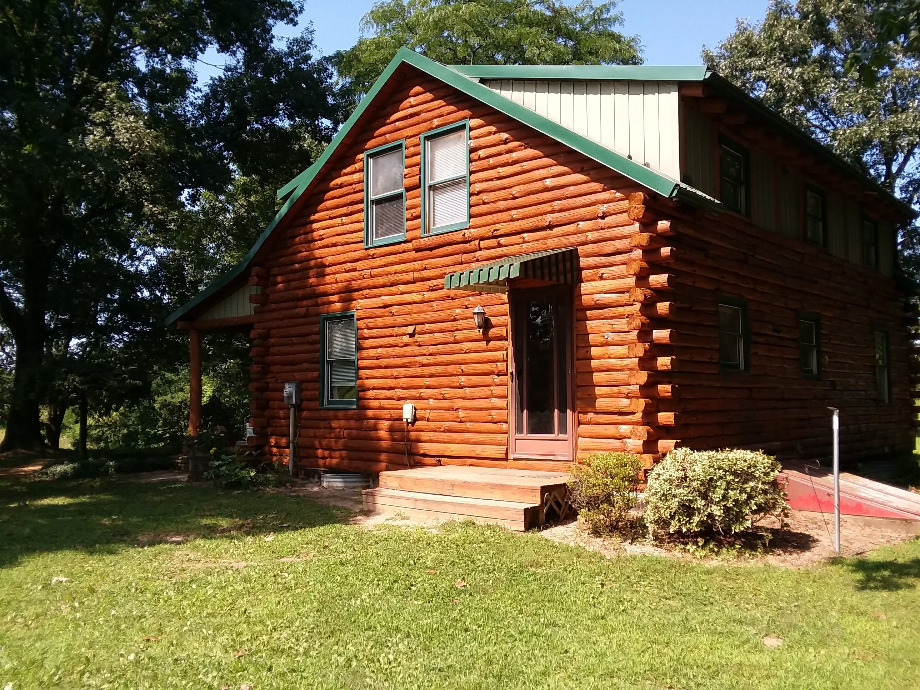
<point x="733" y="172"/>
<point x="869" y="243"/>
<point x="339" y="365"/>
<point x="733" y="335"/>
<point x="384" y="195"/>
<point x="810" y="346"/>
<point x="445" y="179"/>
<point x="815" y="232"/>
<point x="882" y="374"/>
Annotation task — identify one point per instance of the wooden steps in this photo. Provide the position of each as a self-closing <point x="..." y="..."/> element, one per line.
<point x="516" y="499"/>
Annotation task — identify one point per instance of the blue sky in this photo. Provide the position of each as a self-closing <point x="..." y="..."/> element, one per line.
<point x="673" y="32"/>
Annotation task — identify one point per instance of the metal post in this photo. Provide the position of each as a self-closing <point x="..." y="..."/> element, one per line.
<point x="836" y="428"/>
<point x="292" y="441"/>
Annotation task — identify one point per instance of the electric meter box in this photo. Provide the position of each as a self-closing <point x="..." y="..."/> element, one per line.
<point x="409" y="413"/>
<point x="292" y="393"/>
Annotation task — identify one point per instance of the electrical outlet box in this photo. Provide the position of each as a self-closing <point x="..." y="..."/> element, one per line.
<point x="408" y="413"/>
<point x="292" y="393"/>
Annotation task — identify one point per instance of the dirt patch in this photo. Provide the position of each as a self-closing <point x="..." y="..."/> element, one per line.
<point x="807" y="540"/>
<point x="22" y="470"/>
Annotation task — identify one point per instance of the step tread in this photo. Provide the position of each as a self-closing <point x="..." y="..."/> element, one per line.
<point x="524" y="478"/>
<point x="442" y="498"/>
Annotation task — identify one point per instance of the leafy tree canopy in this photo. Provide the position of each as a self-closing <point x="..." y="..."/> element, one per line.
<point x="795" y="61"/>
<point x="525" y="32"/>
<point x="108" y="146"/>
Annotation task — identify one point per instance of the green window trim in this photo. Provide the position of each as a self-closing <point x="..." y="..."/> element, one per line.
<point x="369" y="199"/>
<point x="810" y="345"/>
<point x="869" y="235"/>
<point x="882" y="356"/>
<point x="426" y="195"/>
<point x="326" y="402"/>
<point x="732" y="148"/>
<point x="739" y="336"/>
<point x="812" y="217"/>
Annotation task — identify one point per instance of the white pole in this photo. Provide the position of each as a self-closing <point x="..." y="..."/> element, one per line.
<point x="836" y="427"/>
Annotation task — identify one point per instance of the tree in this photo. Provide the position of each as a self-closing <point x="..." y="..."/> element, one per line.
<point x="511" y="32"/>
<point x="795" y="61"/>
<point x="106" y="144"/>
<point x="897" y="30"/>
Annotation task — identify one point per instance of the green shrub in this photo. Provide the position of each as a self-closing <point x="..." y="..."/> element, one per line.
<point x="109" y="464"/>
<point x="230" y="472"/>
<point x="604" y="489"/>
<point x="712" y="492"/>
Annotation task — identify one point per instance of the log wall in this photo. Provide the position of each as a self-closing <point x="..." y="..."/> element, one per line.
<point x="773" y="405"/>
<point x="646" y="342"/>
<point x="416" y="341"/>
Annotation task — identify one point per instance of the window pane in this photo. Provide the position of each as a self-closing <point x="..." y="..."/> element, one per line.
<point x="447" y="156"/>
<point x="341" y="339"/>
<point x="729" y="319"/>
<point x="449" y="203"/>
<point x="881" y="349"/>
<point x="809" y="357"/>
<point x="540" y="403"/>
<point x="730" y="350"/>
<point x="870" y="243"/>
<point x="813" y="205"/>
<point x="388" y="218"/>
<point x="731" y="195"/>
<point x="386" y="173"/>
<point x="807" y="332"/>
<point x="814" y="230"/>
<point x="732" y="166"/>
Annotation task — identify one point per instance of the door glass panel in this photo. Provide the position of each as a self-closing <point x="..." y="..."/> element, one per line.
<point x="540" y="354"/>
<point x="562" y="372"/>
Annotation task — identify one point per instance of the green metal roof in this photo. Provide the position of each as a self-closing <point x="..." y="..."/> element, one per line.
<point x="463" y="78"/>
<point x="588" y="72"/>
<point x="553" y="265"/>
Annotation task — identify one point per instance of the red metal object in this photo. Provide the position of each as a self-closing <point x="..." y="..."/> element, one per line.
<point x="812" y="490"/>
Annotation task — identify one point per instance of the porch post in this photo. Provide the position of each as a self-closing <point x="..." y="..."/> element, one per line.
<point x="194" y="414"/>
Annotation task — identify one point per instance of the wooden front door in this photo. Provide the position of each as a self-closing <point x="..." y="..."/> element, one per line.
<point x="541" y="374"/>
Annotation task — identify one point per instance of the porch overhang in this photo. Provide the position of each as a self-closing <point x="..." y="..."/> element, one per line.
<point x="555" y="266"/>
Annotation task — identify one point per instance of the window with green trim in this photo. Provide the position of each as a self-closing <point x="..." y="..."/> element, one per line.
<point x="733" y="335"/>
<point x="339" y="365"/>
<point x="733" y="173"/>
<point x="446" y="179"/>
<point x="385" y="195"/>
<point x="869" y="243"/>
<point x="882" y="373"/>
<point x="814" y="217"/>
<point x="810" y="346"/>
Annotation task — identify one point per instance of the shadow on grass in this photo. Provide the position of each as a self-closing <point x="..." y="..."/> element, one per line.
<point x="107" y="516"/>
<point x="886" y="576"/>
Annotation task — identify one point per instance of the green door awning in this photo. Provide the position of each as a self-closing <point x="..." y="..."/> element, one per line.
<point x="558" y="266"/>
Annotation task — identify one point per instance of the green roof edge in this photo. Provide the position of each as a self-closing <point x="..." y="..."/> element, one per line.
<point x="618" y="72"/>
<point x="452" y="76"/>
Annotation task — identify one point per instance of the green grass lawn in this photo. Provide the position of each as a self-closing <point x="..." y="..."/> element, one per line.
<point x="175" y="586"/>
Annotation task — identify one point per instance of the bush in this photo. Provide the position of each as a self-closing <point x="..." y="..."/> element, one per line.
<point x="604" y="489"/>
<point x="713" y="492"/>
<point x="230" y="472"/>
<point x="109" y="464"/>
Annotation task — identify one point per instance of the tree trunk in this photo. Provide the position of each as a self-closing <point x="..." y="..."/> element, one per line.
<point x="53" y="427"/>
<point x="84" y="414"/>
<point x="23" y="427"/>
<point x="26" y="325"/>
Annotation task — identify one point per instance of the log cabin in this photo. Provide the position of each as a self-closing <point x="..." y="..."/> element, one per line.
<point x="553" y="261"/>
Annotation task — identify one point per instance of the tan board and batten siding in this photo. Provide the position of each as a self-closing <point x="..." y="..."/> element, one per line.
<point x="236" y="304"/>
<point x="778" y="194"/>
<point x="638" y="119"/>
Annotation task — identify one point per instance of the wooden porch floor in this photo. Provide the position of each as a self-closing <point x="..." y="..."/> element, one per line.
<point x="517" y="499"/>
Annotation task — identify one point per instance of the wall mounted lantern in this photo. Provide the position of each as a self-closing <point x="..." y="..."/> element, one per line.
<point x="479" y="317"/>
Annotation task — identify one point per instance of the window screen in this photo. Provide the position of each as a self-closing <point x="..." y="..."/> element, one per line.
<point x="809" y="345"/>
<point x="814" y="217"/>
<point x="386" y="199"/>
<point x="340" y="360"/>
<point x="870" y="243"/>
<point x="732" y="330"/>
<point x="882" y="375"/>
<point x="733" y="173"/>
<point x="446" y="180"/>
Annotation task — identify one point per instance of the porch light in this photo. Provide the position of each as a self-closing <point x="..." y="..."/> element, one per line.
<point x="479" y="317"/>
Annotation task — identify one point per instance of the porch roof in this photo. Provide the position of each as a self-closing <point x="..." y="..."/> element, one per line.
<point x="553" y="265"/>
